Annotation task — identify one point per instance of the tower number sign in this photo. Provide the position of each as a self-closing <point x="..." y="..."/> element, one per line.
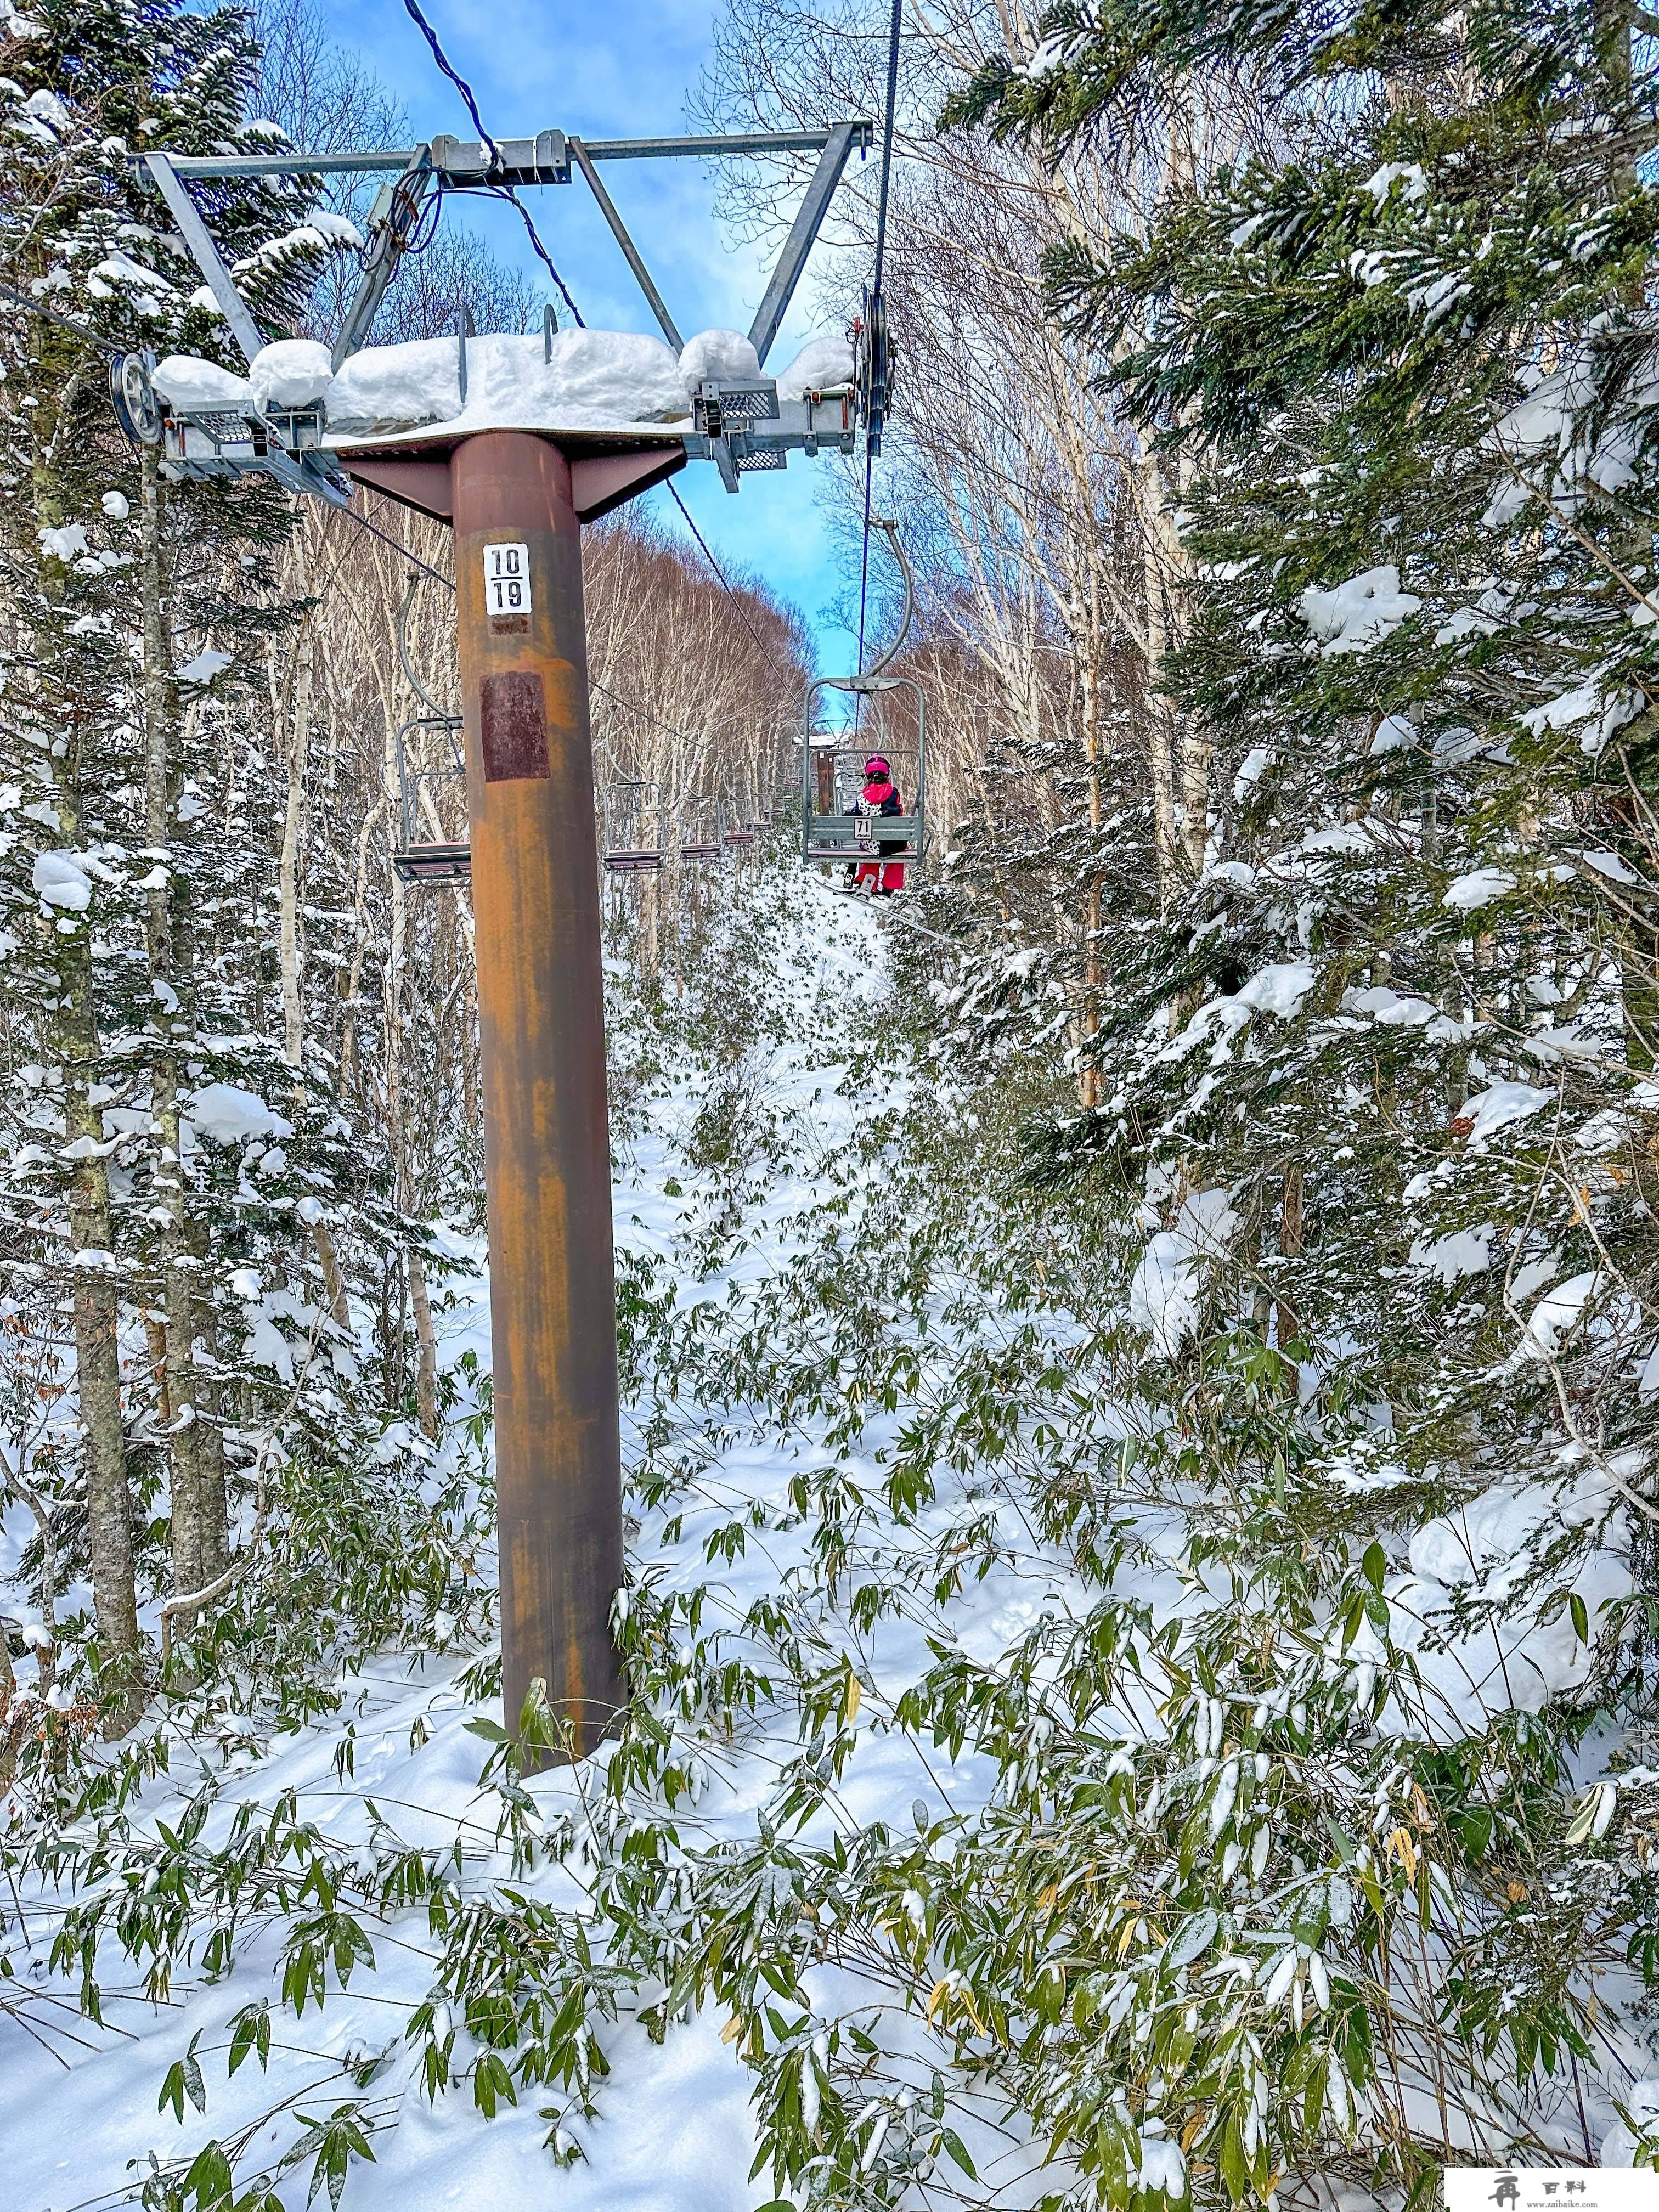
<point x="507" y="581"/>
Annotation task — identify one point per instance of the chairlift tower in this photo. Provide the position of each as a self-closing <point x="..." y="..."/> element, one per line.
<point x="516" y="500"/>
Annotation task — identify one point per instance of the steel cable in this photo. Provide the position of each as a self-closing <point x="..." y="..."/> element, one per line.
<point x="499" y="192"/>
<point x="875" y="292"/>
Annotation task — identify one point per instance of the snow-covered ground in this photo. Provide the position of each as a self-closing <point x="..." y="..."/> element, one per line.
<point x="760" y="1149"/>
<point x="79" y="2104"/>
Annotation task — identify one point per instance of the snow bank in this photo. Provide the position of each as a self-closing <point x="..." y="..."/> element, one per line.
<point x="185" y="381"/>
<point x="823" y="364"/>
<point x="1557" y="1314"/>
<point x="291" y="372"/>
<point x="1278" y="989"/>
<point x="592" y="380"/>
<point x="230" y="1116"/>
<point x="203" y="668"/>
<point x="586" y="380"/>
<point x="1478" y="888"/>
<point x="60" y="878"/>
<point x="1464" y="1252"/>
<point x="1487" y="1555"/>
<point x="398" y="386"/>
<point x="1641" y="2100"/>
<point x="723" y="355"/>
<point x="65" y="544"/>
<point x="1495" y="1108"/>
<point x="1390" y="1008"/>
<point x="1166" y="1292"/>
<point x="1353" y="617"/>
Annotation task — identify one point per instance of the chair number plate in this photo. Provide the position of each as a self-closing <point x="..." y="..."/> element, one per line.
<point x="506" y="581"/>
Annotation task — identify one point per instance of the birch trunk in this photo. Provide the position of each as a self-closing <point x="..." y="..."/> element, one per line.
<point x="298" y="751"/>
<point x="426" y="1379"/>
<point x="1290" y="1246"/>
<point x="1160" y="719"/>
<point x="97" y="1358"/>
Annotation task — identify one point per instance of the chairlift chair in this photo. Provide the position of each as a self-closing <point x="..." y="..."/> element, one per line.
<point x="433" y="845"/>
<point x="833" y="829"/>
<point x="698" y="822"/>
<point x="832" y="771"/>
<point x="634" y="840"/>
<point x="421" y="856"/>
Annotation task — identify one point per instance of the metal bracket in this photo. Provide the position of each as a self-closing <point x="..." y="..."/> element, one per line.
<point x="392" y="222"/>
<point x="803" y="232"/>
<point x="199" y="240"/>
<point x="463" y="165"/>
<point x="631" y="252"/>
<point x="742" y="427"/>
<point x="465" y="328"/>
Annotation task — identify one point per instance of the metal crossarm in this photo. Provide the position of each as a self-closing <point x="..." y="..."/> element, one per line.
<point x="741" y="426"/>
<point x="471" y="160"/>
<point x="584" y="161"/>
<point x="392" y="222"/>
<point x="809" y="220"/>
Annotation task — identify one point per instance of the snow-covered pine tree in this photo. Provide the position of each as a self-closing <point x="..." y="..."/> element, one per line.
<point x="166" y="1199"/>
<point x="1377" y="1090"/>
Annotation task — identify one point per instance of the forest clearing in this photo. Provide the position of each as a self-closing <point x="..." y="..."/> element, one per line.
<point x="828" y="1296"/>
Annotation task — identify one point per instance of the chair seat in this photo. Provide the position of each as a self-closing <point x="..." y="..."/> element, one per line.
<point x="434" y="864"/>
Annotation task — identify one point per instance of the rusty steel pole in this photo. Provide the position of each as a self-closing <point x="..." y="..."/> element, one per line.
<point x="541" y="1017"/>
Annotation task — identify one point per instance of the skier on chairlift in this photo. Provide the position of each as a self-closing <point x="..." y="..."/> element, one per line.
<point x="879" y="797"/>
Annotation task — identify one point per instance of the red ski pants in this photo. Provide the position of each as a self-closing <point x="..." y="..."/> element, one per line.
<point x="890" y="872"/>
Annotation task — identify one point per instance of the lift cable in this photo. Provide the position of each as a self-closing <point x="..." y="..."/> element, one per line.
<point x="505" y="192"/>
<point x="498" y="191"/>
<point x="875" y="293"/>
<point x="63" y="322"/>
<point x="655" y="720"/>
<point x="414" y="561"/>
<point x="736" y="596"/>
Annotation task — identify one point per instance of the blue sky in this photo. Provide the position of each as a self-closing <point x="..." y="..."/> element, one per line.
<point x="621" y="69"/>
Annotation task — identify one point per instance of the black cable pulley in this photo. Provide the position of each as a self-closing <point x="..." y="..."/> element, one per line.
<point x="133" y="395"/>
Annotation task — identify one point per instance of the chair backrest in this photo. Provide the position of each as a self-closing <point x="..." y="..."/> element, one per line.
<point x="839" y="778"/>
<point x="698" y="826"/>
<point x="432" y="840"/>
<point x="634" y="824"/>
